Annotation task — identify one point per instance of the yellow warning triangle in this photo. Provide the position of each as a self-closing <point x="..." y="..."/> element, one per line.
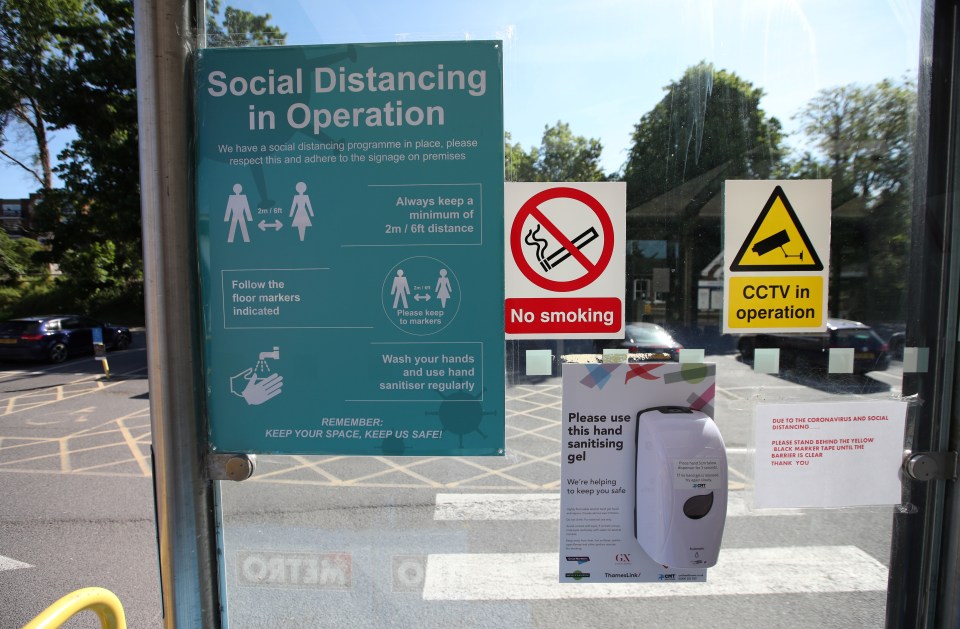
<point x="777" y="241"/>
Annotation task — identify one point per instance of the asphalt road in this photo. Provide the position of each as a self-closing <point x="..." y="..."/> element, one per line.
<point x="336" y="541"/>
<point x="75" y="486"/>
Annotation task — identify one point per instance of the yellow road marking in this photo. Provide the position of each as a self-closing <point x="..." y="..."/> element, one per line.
<point x="501" y="472"/>
<point x="60" y="395"/>
<point x="134" y="447"/>
<point x="64" y="455"/>
<point x="134" y="436"/>
<point x="394" y="467"/>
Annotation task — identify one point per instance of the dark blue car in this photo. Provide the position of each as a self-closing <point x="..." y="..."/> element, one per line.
<point x="55" y="337"/>
<point x="812" y="350"/>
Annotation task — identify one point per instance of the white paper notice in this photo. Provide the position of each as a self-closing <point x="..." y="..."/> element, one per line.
<point x="598" y="496"/>
<point x="829" y="455"/>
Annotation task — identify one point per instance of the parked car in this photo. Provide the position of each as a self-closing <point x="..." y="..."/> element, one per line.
<point x="813" y="349"/>
<point x="55" y="337"/>
<point x="646" y="338"/>
<point x="897" y="342"/>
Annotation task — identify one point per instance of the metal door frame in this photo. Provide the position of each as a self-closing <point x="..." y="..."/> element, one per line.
<point x="924" y="587"/>
<point x="166" y="32"/>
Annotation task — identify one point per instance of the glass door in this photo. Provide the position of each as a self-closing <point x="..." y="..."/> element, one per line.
<point x="675" y="100"/>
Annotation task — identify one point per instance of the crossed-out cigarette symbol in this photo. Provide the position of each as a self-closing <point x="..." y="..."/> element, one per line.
<point x="528" y="242"/>
<point x="549" y="261"/>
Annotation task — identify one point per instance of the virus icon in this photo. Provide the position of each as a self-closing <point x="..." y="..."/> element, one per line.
<point x="461" y="414"/>
<point x="393" y="446"/>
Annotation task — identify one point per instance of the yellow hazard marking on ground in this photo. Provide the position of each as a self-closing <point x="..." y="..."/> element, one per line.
<point x="532" y="460"/>
<point x="121" y="447"/>
<point x="126" y="439"/>
<point x="51" y="395"/>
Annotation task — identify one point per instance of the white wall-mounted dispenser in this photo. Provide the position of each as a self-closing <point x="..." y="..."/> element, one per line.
<point x="681" y="505"/>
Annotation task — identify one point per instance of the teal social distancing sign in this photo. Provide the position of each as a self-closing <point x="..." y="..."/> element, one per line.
<point x="350" y="225"/>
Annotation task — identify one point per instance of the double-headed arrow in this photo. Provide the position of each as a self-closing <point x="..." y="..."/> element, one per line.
<point x="263" y="225"/>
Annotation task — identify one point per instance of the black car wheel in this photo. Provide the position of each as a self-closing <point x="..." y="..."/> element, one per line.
<point x="58" y="353"/>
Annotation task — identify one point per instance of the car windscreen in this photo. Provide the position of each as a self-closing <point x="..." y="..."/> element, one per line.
<point x="855" y="336"/>
<point x="649" y="336"/>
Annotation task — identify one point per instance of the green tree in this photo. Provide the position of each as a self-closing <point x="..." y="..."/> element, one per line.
<point x="562" y="156"/>
<point x="35" y="49"/>
<point x="240" y="28"/>
<point x="18" y="259"/>
<point x="863" y="136"/>
<point x="11" y="265"/>
<point x="94" y="219"/>
<point x="708" y="127"/>
<point x="30" y="253"/>
<point x="707" y="119"/>
<point x="520" y="165"/>
<point x="100" y="200"/>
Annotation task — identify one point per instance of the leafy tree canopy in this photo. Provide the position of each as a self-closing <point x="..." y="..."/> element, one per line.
<point x="562" y="156"/>
<point x="36" y="48"/>
<point x="240" y="28"/>
<point x="863" y="140"/>
<point x="706" y="119"/>
<point x="94" y="219"/>
<point x="96" y="96"/>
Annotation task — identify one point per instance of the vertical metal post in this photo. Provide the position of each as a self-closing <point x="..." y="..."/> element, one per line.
<point x="923" y="575"/>
<point x="165" y="34"/>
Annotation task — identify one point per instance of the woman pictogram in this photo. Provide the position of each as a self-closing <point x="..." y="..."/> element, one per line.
<point x="443" y="288"/>
<point x="301" y="210"/>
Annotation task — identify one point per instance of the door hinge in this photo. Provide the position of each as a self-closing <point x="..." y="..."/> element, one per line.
<point x="227" y="466"/>
<point x="931" y="466"/>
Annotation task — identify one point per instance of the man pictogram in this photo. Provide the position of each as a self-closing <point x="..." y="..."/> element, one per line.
<point x="238" y="213"/>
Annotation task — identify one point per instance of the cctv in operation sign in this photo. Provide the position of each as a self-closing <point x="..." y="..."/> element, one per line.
<point x="350" y="225"/>
<point x="776" y="255"/>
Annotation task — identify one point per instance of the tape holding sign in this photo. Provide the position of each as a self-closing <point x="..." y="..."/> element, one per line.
<point x="564" y="260"/>
<point x="777" y="279"/>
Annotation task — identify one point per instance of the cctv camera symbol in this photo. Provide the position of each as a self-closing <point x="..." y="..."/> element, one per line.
<point x="776" y="241"/>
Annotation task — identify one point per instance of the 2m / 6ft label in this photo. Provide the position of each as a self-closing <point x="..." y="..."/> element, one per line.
<point x="775" y="301"/>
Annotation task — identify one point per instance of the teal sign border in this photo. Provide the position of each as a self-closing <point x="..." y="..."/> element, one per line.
<point x="350" y="232"/>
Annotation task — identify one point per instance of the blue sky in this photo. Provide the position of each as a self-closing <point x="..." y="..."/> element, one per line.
<point x="600" y="65"/>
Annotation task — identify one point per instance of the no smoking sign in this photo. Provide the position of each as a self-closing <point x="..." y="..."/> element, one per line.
<point x="564" y="259"/>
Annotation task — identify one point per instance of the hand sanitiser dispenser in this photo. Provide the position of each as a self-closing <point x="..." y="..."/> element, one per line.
<point x="681" y="487"/>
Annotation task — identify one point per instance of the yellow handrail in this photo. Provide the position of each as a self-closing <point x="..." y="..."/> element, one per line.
<point x="103" y="603"/>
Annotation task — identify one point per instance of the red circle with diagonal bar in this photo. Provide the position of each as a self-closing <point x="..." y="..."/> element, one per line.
<point x="531" y="208"/>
